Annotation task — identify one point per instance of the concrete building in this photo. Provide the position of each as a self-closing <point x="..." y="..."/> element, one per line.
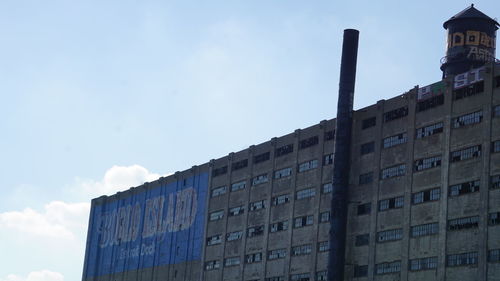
<point x="424" y="198"/>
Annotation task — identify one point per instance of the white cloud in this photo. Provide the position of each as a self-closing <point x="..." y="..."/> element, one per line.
<point x="117" y="178"/>
<point x="43" y="275"/>
<point x="58" y="220"/>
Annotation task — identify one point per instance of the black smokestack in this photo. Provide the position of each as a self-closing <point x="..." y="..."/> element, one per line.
<point x="341" y="159"/>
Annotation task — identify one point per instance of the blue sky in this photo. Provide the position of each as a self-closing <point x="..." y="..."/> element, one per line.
<point x="98" y="96"/>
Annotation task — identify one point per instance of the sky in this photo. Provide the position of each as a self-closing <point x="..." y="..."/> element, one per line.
<point x="99" y="96"/>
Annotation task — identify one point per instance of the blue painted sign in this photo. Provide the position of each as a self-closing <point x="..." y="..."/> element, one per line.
<point x="160" y="226"/>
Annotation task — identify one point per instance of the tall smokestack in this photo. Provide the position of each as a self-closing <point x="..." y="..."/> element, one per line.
<point x="341" y="159"/>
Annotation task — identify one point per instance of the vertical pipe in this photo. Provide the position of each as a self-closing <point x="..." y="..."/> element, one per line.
<point x="341" y="159"/>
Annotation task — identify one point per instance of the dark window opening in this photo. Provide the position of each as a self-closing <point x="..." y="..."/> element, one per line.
<point x="468" y="91"/>
<point x="330" y="135"/>
<point x="280" y="151"/>
<point x="239" y="165"/>
<point x="368" y="123"/>
<point x="308" y="142"/>
<point x="219" y="171"/>
<point x="430" y="103"/>
<point x="396" y="114"/>
<point x="261" y="157"/>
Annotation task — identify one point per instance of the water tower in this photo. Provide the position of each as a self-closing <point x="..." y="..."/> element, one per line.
<point x="471" y="41"/>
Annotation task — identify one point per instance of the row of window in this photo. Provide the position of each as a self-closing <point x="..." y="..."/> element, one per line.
<point x="282" y="173"/>
<point x="460" y="121"/>
<point x="280" y="151"/>
<point x="431" y="228"/>
<point x="430" y="195"/>
<point x="298" y="222"/>
<point x="427" y="263"/>
<point x="320" y="276"/>
<point x="299" y="250"/>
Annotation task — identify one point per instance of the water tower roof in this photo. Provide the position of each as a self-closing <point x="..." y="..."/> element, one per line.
<point x="470" y="13"/>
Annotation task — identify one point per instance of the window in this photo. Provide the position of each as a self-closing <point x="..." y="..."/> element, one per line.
<point x="390" y="235"/>
<point x="461" y="259"/>
<point x="252" y="258"/>
<point x="360" y="270"/>
<point x="396" y="114"/>
<point x="305" y="193"/>
<point x="214" y="240"/>
<point x="424" y="229"/>
<point x="495" y="146"/>
<point x="275" y="278"/>
<point x="233" y="236"/>
<point x="257" y="205"/>
<point x="218" y="191"/>
<point x="330" y="135"/>
<point x="468" y="91"/>
<point x="494" y="218"/>
<point x="239" y="165"/>
<point x="259" y="179"/>
<point x="388" y="267"/>
<point x="328" y="159"/>
<point x="368" y="147"/>
<point x="300" y="277"/>
<point x="219" y="171"/>
<point x="255" y="231"/>
<point x="423" y="263"/>
<point x="368" y="123"/>
<point x="463" y="223"/>
<point x="364" y="209"/>
<point x="366" y="178"/>
<point x="324" y="217"/>
<point x="261" y="157"/>
<point x="321" y="275"/>
<point x="362" y="240"/>
<point x="282" y="173"/>
<point x="464" y="188"/>
<point x="495" y="182"/>
<point x="278" y="226"/>
<point x="429" y="130"/>
<point x="281" y="199"/>
<point x="496" y="111"/>
<point x="427" y="163"/>
<point x="232" y="261"/>
<point x="467" y="119"/>
<point x="323" y="246"/>
<point x="312" y="141"/>
<point x="211" y="265"/>
<point x="303" y="221"/>
<point x="426" y="196"/>
<point x="280" y="151"/>
<point x="391" y="203"/>
<point x="327" y="188"/>
<point x="394" y="171"/>
<point x="395" y="140"/>
<point x="217" y="215"/>
<point x="301" y="250"/>
<point x="467" y="153"/>
<point x="494" y="255"/>
<point x="238" y="186"/>
<point x="236" y="211"/>
<point x="309" y="165"/>
<point x="430" y="103"/>
<point x="276" y="254"/>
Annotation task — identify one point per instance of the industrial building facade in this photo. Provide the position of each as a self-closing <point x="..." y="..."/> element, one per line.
<point x="424" y="200"/>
